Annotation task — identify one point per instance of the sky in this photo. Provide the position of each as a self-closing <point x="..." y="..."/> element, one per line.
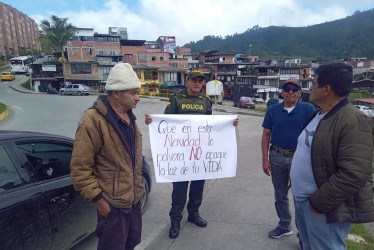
<point x="189" y="20"/>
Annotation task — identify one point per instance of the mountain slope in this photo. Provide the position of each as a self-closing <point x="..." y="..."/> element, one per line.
<point x="352" y="36"/>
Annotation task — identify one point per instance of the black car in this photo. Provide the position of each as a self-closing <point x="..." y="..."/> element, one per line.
<point x="272" y="101"/>
<point x="39" y="207"/>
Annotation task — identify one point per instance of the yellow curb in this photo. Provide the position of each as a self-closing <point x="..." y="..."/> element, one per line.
<point x="3" y="115"/>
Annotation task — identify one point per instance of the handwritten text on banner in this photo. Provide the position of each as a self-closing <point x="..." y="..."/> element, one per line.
<point x="193" y="147"/>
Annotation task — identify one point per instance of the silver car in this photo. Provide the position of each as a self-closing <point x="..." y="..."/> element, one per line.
<point x="75" y="89"/>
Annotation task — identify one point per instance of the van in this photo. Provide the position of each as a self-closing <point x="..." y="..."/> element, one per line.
<point x="10" y="76"/>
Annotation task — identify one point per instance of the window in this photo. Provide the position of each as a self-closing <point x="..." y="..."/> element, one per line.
<point x="170" y="77"/>
<point x="174" y="65"/>
<point x="113" y="53"/>
<point x="106" y="71"/>
<point x="74" y="51"/>
<point x="88" y="51"/>
<point x="142" y="57"/>
<point x="128" y="56"/>
<point x="101" y="52"/>
<point x="81" y="68"/>
<point x="163" y="58"/>
<point x="49" y="160"/>
<point x="116" y="59"/>
<point x="150" y="75"/>
<point x="151" y="58"/>
<point x="9" y="177"/>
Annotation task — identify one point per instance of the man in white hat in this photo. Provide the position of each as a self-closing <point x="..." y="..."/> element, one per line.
<point x="106" y="165"/>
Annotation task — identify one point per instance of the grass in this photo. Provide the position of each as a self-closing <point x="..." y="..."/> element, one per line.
<point x="4" y="66"/>
<point x="360" y="229"/>
<point x="2" y="107"/>
<point x="26" y="84"/>
<point x="262" y="110"/>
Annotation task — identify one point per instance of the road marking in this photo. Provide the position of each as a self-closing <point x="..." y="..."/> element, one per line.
<point x="13" y="106"/>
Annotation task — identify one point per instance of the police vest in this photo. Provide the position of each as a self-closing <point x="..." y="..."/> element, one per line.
<point x="193" y="105"/>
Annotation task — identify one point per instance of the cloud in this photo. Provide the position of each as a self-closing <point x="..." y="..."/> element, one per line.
<point x="192" y="20"/>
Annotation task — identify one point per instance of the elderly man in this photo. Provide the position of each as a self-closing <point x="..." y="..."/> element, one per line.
<point x="282" y="125"/>
<point x="331" y="171"/>
<point x="106" y="165"/>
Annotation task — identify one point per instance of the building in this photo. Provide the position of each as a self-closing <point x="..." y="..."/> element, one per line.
<point x="118" y="31"/>
<point x="91" y="57"/>
<point x="18" y="33"/>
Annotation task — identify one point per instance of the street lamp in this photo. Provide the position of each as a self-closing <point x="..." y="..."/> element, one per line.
<point x="13" y="47"/>
<point x="250" y="49"/>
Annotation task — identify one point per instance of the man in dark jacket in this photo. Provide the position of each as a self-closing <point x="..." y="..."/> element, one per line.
<point x="331" y="169"/>
<point x="106" y="165"/>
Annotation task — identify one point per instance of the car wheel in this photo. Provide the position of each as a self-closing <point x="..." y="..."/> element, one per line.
<point x="87" y="94"/>
<point x="62" y="92"/>
<point x="79" y="93"/>
<point x="144" y="198"/>
<point x="240" y="106"/>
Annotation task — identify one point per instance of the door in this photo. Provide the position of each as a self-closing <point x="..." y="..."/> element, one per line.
<point x="69" y="89"/>
<point x="24" y="220"/>
<point x="75" y="89"/>
<point x="71" y="217"/>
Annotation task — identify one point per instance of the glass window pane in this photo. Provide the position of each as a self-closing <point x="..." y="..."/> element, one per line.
<point x="50" y="160"/>
<point x="9" y="178"/>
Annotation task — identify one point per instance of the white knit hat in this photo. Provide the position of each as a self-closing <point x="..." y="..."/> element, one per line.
<point x="122" y="77"/>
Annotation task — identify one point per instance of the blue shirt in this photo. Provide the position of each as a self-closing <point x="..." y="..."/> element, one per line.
<point x="285" y="127"/>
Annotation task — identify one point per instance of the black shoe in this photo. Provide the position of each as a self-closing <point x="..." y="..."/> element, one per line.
<point x="197" y="220"/>
<point x="174" y="231"/>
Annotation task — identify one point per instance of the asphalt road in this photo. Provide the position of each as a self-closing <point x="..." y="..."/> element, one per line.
<point x="240" y="210"/>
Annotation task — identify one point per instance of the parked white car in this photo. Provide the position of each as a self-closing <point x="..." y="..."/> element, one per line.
<point x="75" y="89"/>
<point x="256" y="98"/>
<point x="366" y="110"/>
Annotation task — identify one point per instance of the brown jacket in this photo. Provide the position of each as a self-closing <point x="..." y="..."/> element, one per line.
<point x="101" y="163"/>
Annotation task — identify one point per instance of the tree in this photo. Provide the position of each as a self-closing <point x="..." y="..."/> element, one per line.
<point x="57" y="31"/>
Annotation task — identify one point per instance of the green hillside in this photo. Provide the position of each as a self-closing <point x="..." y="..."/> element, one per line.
<point x="352" y="36"/>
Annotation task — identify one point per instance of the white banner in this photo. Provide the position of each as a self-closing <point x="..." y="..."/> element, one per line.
<point x="46" y="67"/>
<point x="193" y="147"/>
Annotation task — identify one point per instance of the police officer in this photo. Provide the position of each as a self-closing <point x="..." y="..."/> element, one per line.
<point x="192" y="102"/>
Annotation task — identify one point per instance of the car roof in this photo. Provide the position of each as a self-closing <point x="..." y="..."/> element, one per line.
<point x="14" y="134"/>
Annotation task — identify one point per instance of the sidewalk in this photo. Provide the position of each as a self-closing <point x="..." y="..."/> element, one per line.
<point x="16" y="85"/>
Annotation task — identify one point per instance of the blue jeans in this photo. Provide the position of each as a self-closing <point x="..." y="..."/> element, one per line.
<point x="280" y="176"/>
<point x="316" y="233"/>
